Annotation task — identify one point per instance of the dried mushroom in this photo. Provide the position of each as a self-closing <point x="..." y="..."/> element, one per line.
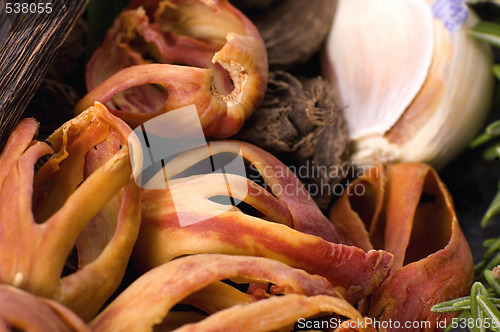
<point x="301" y="120"/>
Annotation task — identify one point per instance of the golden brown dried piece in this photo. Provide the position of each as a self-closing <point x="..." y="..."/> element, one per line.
<point x="22" y="311"/>
<point x="286" y="226"/>
<point x="408" y="211"/>
<point x="224" y="60"/>
<point x="145" y="303"/>
<point x="84" y="195"/>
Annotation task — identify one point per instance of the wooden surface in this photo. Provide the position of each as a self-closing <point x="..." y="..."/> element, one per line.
<point x="27" y="47"/>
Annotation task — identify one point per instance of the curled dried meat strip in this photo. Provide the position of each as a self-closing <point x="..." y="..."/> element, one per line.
<point x="223" y="72"/>
<point x="84" y="195"/>
<point x="147" y="301"/>
<point x="272" y="314"/>
<point x="408" y="211"/>
<point x="289" y="227"/>
<point x="22" y="311"/>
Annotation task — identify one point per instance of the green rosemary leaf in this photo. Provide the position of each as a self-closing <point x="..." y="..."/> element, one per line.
<point x="493" y="130"/>
<point x="492" y="152"/>
<point x="493" y="262"/>
<point x="476" y="310"/>
<point x="487" y="31"/>
<point x="459" y="304"/>
<point x="493" y="281"/>
<point x="493" y="245"/>
<point x="493" y="209"/>
<point x="491" y="313"/>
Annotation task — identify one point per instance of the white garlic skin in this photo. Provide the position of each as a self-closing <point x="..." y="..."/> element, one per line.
<point x="445" y="113"/>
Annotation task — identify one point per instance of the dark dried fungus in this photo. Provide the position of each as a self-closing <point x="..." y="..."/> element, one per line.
<point x="302" y="121"/>
<point x="292" y="30"/>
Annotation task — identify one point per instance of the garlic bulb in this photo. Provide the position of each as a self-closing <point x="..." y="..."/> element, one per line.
<point x="415" y="85"/>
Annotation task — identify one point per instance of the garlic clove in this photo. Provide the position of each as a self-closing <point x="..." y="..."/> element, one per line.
<point x="450" y="106"/>
<point x="380" y="52"/>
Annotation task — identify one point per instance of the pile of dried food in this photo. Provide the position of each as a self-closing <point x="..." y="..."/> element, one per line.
<point x="256" y="166"/>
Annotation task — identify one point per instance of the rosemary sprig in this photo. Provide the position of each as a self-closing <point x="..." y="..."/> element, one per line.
<point x="483" y="304"/>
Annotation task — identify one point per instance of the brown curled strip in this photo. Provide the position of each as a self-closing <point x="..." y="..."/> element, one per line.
<point x="22" y="311"/>
<point x="289" y="227"/>
<point x="408" y="211"/>
<point x="224" y="70"/>
<point x="273" y="313"/>
<point x="147" y="301"/>
<point x="84" y="195"/>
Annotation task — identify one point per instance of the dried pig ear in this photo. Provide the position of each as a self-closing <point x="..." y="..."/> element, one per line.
<point x="205" y="53"/>
<point x="150" y="298"/>
<point x="83" y="196"/>
<point x="22" y="311"/>
<point x="417" y="223"/>
<point x="301" y="120"/>
<point x="286" y="225"/>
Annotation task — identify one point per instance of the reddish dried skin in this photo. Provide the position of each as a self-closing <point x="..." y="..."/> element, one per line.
<point x="21" y="311"/>
<point x="272" y="314"/>
<point x="71" y="190"/>
<point x="161" y="239"/>
<point x="416" y="222"/>
<point x="206" y="34"/>
<point x="158" y="290"/>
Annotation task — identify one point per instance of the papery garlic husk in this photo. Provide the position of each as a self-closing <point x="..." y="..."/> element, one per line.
<point x="413" y="90"/>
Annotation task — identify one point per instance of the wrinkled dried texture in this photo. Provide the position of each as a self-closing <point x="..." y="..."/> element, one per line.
<point x="263" y="315"/>
<point x="417" y="223"/>
<point x="85" y="187"/>
<point x="224" y="60"/>
<point x="287" y="226"/>
<point x="302" y="120"/>
<point x="22" y="311"/>
<point x="147" y="301"/>
<point x="294" y="30"/>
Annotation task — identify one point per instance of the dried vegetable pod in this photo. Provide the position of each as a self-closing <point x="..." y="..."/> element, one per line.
<point x="224" y="70"/>
<point x="22" y="311"/>
<point x="416" y="86"/>
<point x="84" y="195"/>
<point x="287" y="226"/>
<point x="300" y="119"/>
<point x="150" y="298"/>
<point x="408" y="211"/>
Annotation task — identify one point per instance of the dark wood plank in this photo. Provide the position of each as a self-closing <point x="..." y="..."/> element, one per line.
<point x="26" y="53"/>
